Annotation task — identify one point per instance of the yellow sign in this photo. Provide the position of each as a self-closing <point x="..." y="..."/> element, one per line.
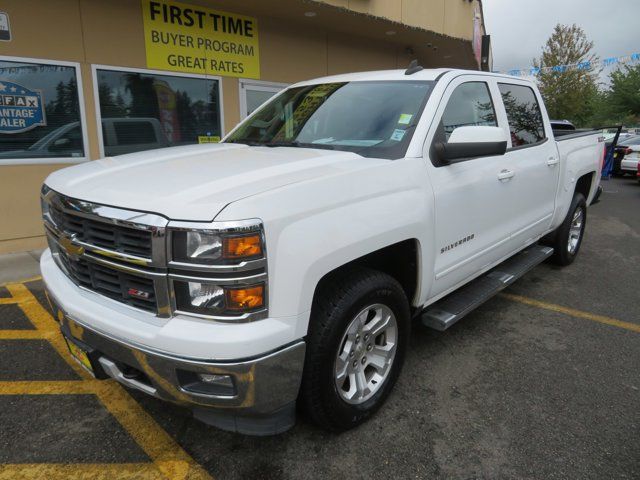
<point x="208" y="139"/>
<point x="190" y="38"/>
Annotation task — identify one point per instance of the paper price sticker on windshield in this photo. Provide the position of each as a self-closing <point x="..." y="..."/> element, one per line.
<point x="405" y="119"/>
<point x="208" y="139"/>
<point x="190" y="38"/>
<point x="398" y="134"/>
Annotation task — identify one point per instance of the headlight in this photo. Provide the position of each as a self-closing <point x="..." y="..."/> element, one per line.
<point x="218" y="270"/>
<point x="218" y="300"/>
<point x="211" y="248"/>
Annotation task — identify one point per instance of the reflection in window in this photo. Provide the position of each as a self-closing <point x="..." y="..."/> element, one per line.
<point x="39" y="111"/>
<point x="469" y="105"/>
<point x="523" y="113"/>
<point x="374" y="119"/>
<point x="144" y="111"/>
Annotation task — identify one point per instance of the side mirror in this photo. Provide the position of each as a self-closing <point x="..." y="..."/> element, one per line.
<point x="472" y="142"/>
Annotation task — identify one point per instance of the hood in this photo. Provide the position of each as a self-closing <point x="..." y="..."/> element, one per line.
<point x="196" y="182"/>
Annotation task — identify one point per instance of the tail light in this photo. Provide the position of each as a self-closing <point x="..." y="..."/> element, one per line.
<point x="638" y="170"/>
<point x="627" y="151"/>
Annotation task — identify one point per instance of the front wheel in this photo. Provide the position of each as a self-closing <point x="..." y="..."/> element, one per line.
<point x="357" y="339"/>
<point x="567" y="239"/>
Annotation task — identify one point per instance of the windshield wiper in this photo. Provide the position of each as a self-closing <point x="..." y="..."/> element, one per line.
<point x="251" y="143"/>
<point x="295" y="144"/>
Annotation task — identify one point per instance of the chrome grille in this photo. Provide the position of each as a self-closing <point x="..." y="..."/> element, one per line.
<point x="115" y="238"/>
<point x="123" y="254"/>
<point x="110" y="282"/>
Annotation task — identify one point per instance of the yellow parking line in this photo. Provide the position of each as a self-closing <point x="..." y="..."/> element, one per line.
<point x="170" y="458"/>
<point x="56" y="387"/>
<point x="167" y="455"/>
<point x="26" y="280"/>
<point x="22" y="335"/>
<point x="44" y="323"/>
<point x="7" y="301"/>
<point x="573" y="312"/>
<point x="100" y="471"/>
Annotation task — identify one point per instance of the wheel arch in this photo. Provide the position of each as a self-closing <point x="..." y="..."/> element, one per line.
<point x="400" y="260"/>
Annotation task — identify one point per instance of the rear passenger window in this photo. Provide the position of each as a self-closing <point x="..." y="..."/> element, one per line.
<point x="469" y="105"/>
<point x="523" y="113"/>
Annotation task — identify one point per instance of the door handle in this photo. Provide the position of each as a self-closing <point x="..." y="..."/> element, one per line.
<point x="552" y="161"/>
<point x="505" y="175"/>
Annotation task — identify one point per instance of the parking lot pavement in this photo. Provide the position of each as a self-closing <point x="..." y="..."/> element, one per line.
<point x="542" y="381"/>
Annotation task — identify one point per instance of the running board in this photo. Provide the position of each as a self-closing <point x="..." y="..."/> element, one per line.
<point x="447" y="311"/>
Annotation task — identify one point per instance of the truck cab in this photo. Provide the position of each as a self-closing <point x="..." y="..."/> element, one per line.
<point x="288" y="263"/>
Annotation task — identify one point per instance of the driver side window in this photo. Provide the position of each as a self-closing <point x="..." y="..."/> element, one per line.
<point x="470" y="104"/>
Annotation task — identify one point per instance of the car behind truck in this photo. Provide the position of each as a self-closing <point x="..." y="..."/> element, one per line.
<point x="285" y="265"/>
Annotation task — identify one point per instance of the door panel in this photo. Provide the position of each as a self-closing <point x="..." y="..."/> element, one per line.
<point x="536" y="160"/>
<point x="472" y="198"/>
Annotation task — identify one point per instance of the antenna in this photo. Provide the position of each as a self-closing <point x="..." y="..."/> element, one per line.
<point x="413" y="68"/>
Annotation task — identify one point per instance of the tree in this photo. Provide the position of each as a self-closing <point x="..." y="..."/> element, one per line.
<point x="625" y="91"/>
<point x="568" y="91"/>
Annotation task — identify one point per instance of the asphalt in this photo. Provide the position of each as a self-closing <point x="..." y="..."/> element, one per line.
<point x="512" y="391"/>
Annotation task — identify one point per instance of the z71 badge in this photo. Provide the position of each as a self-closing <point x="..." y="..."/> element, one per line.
<point x="457" y="244"/>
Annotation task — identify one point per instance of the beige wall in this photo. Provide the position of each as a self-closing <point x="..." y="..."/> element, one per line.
<point x="111" y="33"/>
<point x="450" y="17"/>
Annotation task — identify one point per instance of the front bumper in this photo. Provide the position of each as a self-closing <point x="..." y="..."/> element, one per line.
<point x="261" y="401"/>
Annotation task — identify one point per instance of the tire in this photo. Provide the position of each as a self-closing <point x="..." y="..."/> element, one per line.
<point x="341" y="302"/>
<point x="565" y="253"/>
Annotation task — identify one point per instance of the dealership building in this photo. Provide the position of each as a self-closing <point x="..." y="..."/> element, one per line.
<point x="85" y="79"/>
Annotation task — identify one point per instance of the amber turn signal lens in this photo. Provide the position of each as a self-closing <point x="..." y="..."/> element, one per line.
<point x="245" y="298"/>
<point x="240" y="247"/>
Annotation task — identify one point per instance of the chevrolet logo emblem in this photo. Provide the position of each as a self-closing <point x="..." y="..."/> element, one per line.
<point x="71" y="249"/>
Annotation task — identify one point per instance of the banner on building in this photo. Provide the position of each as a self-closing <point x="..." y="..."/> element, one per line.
<point x="21" y="109"/>
<point x="189" y="38"/>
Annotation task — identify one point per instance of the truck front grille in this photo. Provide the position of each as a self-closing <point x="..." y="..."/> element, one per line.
<point x="124" y="287"/>
<point x="117" y="238"/>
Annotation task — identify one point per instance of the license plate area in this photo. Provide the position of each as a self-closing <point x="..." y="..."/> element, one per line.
<point x="82" y="355"/>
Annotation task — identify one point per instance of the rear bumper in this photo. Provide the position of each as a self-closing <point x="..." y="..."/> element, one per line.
<point x="629" y="165"/>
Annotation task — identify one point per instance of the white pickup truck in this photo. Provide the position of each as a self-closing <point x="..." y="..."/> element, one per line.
<point x="286" y="264"/>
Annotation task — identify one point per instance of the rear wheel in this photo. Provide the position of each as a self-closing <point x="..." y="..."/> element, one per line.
<point x="567" y="239"/>
<point x="355" y="348"/>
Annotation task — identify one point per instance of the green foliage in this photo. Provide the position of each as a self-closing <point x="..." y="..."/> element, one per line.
<point x="625" y="91"/>
<point x="568" y="94"/>
<point x="619" y="103"/>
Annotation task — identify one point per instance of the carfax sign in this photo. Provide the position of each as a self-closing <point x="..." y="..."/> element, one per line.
<point x="21" y="109"/>
<point x="190" y="38"/>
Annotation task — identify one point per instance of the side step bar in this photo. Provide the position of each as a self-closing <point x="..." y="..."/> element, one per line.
<point x="447" y="311"/>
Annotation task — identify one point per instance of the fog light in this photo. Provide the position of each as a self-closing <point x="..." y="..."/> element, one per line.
<point x="213" y="384"/>
<point x="221" y="380"/>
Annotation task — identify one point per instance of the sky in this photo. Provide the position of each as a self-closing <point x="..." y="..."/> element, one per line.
<point x="519" y="28"/>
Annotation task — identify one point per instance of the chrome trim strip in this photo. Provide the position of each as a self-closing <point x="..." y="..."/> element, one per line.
<point x="221" y="281"/>
<point x="124" y="268"/>
<point x="239" y="267"/>
<point x="244" y="318"/>
<point x="239" y="226"/>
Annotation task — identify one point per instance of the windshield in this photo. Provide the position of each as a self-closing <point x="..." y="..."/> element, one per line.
<point x="373" y="119"/>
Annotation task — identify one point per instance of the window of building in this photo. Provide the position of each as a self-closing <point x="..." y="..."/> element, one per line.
<point x="41" y="113"/>
<point x="143" y="110"/>
<point x="470" y="104"/>
<point x="253" y="93"/>
<point x="523" y="113"/>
